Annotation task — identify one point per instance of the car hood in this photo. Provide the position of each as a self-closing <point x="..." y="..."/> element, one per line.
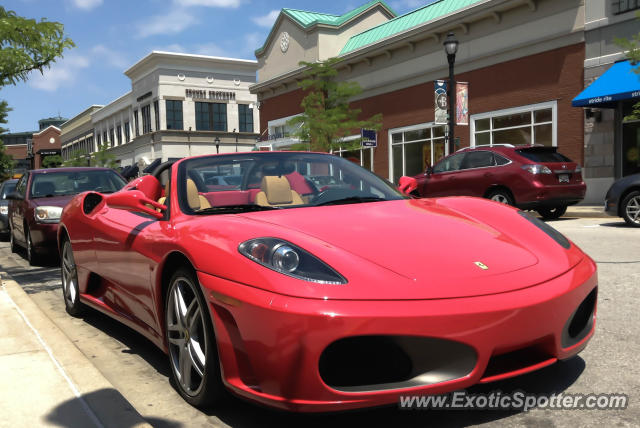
<point x="53" y="201"/>
<point x="415" y="249"/>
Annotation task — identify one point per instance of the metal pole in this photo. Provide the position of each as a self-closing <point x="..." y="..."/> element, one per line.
<point x="452" y="103"/>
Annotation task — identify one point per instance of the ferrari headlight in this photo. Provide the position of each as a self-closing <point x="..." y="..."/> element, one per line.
<point x="46" y="214"/>
<point x="289" y="259"/>
<point x="553" y="233"/>
<point x="4" y="210"/>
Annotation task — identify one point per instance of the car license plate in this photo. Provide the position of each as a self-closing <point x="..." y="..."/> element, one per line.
<point x="563" y="178"/>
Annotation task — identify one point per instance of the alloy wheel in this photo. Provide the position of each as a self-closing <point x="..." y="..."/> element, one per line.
<point x="187" y="336"/>
<point x="632" y="210"/>
<point x="499" y="197"/>
<point x="69" y="283"/>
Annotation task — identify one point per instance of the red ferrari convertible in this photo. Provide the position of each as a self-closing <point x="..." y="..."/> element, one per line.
<point x="304" y="282"/>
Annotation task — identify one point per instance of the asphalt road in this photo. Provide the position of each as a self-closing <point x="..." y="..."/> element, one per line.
<point x="609" y="364"/>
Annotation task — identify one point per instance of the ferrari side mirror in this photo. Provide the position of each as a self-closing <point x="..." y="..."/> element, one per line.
<point x="135" y="200"/>
<point x="407" y="184"/>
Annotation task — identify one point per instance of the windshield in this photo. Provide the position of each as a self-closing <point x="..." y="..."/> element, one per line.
<point x="275" y="180"/>
<point x="8" y="187"/>
<point x="45" y="185"/>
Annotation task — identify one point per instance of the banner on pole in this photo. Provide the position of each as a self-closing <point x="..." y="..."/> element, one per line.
<point x="441" y="102"/>
<point x="462" y="103"/>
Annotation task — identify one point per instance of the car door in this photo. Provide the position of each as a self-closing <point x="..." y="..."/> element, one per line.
<point x="17" y="209"/>
<point x="477" y="173"/>
<point x="443" y="179"/>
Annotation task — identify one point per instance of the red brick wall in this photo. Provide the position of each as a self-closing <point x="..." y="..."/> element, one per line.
<point x="552" y="75"/>
<point x="41" y="142"/>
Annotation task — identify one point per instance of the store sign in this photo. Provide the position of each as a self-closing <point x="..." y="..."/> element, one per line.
<point x="441" y="102"/>
<point x="48" y="152"/>
<point x="462" y="103"/>
<point x="368" y="138"/>
<point x="210" y="95"/>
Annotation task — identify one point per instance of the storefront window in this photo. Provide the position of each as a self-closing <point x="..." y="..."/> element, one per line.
<point x="362" y="157"/>
<point x="414" y="148"/>
<point x="527" y="125"/>
<point x="211" y="116"/>
<point x="630" y="142"/>
<point x="245" y="117"/>
<point x="174" y="114"/>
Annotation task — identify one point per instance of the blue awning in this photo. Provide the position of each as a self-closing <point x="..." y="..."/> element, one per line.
<point x="620" y="82"/>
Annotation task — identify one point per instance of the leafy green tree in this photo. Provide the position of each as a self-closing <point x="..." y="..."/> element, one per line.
<point x="27" y="45"/>
<point x="6" y="161"/>
<point x="103" y="158"/>
<point x="52" y="161"/>
<point x="632" y="48"/>
<point x="327" y="116"/>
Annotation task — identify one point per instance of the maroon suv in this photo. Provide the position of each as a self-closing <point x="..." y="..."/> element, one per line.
<point x="529" y="177"/>
<point x="37" y="202"/>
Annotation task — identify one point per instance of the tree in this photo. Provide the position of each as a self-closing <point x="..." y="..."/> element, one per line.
<point x="632" y="48"/>
<point x="6" y="161"/>
<point x="27" y="45"/>
<point x="103" y="158"/>
<point x="52" y="161"/>
<point x="327" y="115"/>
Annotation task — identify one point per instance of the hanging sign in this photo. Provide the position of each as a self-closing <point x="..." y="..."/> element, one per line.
<point x="441" y="102"/>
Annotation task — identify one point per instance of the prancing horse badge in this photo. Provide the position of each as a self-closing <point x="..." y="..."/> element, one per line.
<point x="481" y="265"/>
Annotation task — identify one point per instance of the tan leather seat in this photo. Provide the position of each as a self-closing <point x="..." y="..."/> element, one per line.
<point x="166" y="194"/>
<point x="276" y="191"/>
<point x="196" y="200"/>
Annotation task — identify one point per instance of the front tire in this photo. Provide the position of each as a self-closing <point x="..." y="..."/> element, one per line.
<point x="631" y="209"/>
<point x="70" y="286"/>
<point x="32" y="257"/>
<point x="12" y="242"/>
<point x="552" y="213"/>
<point x="193" y="354"/>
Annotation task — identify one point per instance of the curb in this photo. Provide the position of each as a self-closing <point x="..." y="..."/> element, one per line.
<point x="108" y="406"/>
<point x="588" y="212"/>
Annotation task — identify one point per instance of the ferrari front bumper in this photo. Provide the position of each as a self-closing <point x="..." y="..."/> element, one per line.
<point x="325" y="355"/>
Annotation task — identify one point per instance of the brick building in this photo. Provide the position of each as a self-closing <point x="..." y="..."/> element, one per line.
<point x="524" y="62"/>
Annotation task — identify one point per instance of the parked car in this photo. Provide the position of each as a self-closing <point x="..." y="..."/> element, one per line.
<point x="36" y="204"/>
<point x="312" y="299"/>
<point x="6" y="187"/>
<point x="623" y="199"/>
<point x="528" y="177"/>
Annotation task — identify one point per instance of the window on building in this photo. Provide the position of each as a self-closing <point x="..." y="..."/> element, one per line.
<point x="622" y="6"/>
<point x="245" y="117"/>
<point x="414" y="148"/>
<point x="174" y="114"/>
<point x="112" y="139"/>
<point x="146" y="118"/>
<point x="211" y="116"/>
<point x="156" y="112"/>
<point x="119" y="134"/>
<point x="136" y="123"/>
<point x="105" y="139"/>
<point x="127" y="132"/>
<point x="362" y="157"/>
<point x="98" y="138"/>
<point x="533" y="124"/>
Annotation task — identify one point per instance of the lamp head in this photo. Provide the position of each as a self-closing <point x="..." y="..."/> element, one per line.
<point x="450" y="44"/>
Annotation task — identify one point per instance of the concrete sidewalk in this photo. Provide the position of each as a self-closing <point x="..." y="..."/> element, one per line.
<point x="588" y="211"/>
<point x="46" y="380"/>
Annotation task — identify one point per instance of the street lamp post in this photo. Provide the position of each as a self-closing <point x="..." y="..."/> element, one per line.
<point x="451" y="47"/>
<point x="217" y="141"/>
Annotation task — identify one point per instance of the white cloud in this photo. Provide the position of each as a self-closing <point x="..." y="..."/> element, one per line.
<point x="86" y="4"/>
<point x="210" y="49"/>
<point x="109" y="57"/>
<point x="267" y="20"/>
<point x="173" y="22"/>
<point x="61" y="73"/>
<point x="231" y="4"/>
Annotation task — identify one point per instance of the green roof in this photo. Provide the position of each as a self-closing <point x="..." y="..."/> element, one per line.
<point x="308" y="19"/>
<point x="402" y="23"/>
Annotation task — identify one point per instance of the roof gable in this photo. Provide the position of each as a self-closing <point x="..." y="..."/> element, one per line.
<point x="404" y="22"/>
<point x="307" y="20"/>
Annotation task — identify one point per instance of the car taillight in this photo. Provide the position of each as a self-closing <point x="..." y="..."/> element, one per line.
<point x="536" y="169"/>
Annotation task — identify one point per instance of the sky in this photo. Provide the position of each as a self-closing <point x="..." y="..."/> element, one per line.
<point x="112" y="35"/>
